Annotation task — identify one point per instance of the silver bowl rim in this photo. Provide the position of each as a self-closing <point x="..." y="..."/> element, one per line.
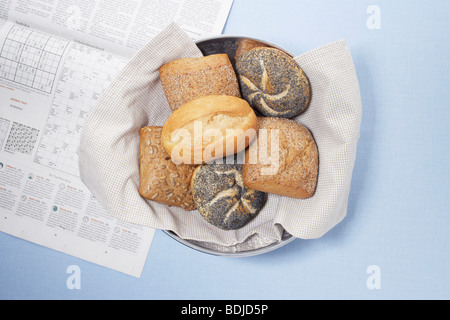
<point x="238" y="36"/>
<point x="247" y="253"/>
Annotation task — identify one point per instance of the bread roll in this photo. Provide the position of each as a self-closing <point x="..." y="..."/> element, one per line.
<point x="186" y="79"/>
<point x="244" y="45"/>
<point x="161" y="180"/>
<point x="273" y="83"/>
<point x="209" y="128"/>
<point x="221" y="197"/>
<point x="292" y="162"/>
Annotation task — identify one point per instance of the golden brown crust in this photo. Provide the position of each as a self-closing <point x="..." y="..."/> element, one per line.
<point x="186" y="79"/>
<point x="209" y="127"/>
<point x="161" y="180"/>
<point x="294" y="174"/>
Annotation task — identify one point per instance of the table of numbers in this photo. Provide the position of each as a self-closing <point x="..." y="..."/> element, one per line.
<point x="31" y="58"/>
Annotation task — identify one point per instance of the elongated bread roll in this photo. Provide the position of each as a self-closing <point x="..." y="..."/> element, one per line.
<point x="186" y="79"/>
<point x="209" y="128"/>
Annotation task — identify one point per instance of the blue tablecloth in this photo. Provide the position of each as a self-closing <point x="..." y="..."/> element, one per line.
<point x="394" y="242"/>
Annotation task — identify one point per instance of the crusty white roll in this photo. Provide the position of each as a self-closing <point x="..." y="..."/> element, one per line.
<point x="186" y="79"/>
<point x="209" y="128"/>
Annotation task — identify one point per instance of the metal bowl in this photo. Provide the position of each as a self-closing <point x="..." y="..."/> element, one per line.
<point x="234" y="46"/>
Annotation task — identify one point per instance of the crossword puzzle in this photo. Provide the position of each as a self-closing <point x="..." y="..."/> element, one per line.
<point x="31" y="58"/>
<point x="85" y="74"/>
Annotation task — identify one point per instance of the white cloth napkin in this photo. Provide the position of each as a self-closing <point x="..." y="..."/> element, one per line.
<point x="109" y="148"/>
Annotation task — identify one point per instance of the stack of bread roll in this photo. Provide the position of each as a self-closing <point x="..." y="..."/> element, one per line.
<point x="230" y="139"/>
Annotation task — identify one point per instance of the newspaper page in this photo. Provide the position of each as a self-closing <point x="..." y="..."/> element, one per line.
<point x="49" y="82"/>
<point x="118" y="26"/>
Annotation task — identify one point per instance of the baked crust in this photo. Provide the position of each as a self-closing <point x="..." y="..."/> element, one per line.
<point x="273" y="83"/>
<point x="186" y="79"/>
<point x="293" y="173"/>
<point x="209" y="128"/>
<point x="222" y="198"/>
<point x="161" y="180"/>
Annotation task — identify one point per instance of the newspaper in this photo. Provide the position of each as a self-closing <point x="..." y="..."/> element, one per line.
<point x="56" y="59"/>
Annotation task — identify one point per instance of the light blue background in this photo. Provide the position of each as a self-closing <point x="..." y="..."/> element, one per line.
<point x="398" y="216"/>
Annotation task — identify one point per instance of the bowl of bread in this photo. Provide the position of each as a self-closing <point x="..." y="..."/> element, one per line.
<point x="231" y="139"/>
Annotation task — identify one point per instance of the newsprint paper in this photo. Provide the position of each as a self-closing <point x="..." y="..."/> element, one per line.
<point x="56" y="59"/>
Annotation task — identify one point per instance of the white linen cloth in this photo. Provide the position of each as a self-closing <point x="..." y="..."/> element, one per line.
<point x="109" y="148"/>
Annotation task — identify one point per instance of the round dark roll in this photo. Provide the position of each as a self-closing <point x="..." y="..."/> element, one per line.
<point x="221" y="197"/>
<point x="273" y="83"/>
